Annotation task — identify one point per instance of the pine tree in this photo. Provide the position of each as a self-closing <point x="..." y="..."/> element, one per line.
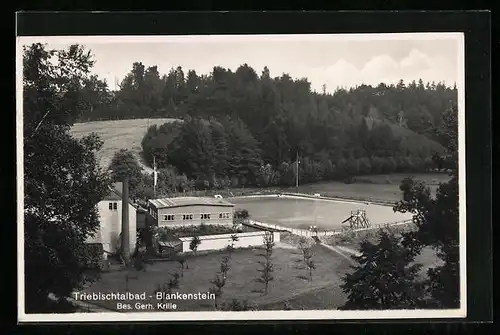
<point x="384" y="277"/>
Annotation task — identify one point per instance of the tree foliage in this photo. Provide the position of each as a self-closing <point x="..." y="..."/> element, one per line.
<point x="125" y="165"/>
<point x="384" y="277"/>
<point x="438" y="220"/>
<point x="238" y="306"/>
<point x="62" y="181"/>
<point x="246" y="128"/>
<point x="230" y="248"/>
<point x="267" y="267"/>
<point x="195" y="242"/>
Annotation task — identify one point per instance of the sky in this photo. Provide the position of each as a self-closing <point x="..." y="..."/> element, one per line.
<point x="331" y="60"/>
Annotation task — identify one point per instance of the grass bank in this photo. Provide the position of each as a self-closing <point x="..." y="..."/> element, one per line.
<point x="289" y="279"/>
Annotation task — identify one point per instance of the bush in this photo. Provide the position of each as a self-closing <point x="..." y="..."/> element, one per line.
<point x="349" y="180"/>
<point x="391" y="164"/>
<point x="241" y="214"/>
<point x="163" y="234"/>
<point x="187" y="231"/>
<point x="238" y="305"/>
<point x="364" y="165"/>
<point x="139" y="261"/>
<point x="94" y="257"/>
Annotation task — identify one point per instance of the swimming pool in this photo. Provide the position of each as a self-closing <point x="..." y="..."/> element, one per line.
<point x="303" y="213"/>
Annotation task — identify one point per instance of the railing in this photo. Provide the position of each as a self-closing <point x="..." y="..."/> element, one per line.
<point x="340" y="198"/>
<point x="276" y="193"/>
<point x="309" y="233"/>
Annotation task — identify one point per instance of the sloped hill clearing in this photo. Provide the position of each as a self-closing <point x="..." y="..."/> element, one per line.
<point x="119" y="134"/>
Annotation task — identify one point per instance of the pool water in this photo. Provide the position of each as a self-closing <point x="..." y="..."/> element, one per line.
<point x="303" y="213"/>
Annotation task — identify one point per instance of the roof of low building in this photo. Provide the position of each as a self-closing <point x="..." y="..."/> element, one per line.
<point x="115" y="194"/>
<point x="112" y="195"/>
<point x="189" y="201"/>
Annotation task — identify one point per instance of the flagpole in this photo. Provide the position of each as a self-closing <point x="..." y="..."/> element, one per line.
<point x="297" y="174"/>
<point x="154" y="177"/>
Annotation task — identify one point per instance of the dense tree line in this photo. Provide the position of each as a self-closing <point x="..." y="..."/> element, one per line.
<point x="386" y="275"/>
<point x="62" y="180"/>
<point x="219" y="153"/>
<point x="236" y="118"/>
<point x="265" y="103"/>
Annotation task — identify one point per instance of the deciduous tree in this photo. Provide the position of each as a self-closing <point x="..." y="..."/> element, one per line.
<point x="62" y="180"/>
<point x="194" y="244"/>
<point x="125" y="165"/>
<point x="438" y="222"/>
<point x="267" y="265"/>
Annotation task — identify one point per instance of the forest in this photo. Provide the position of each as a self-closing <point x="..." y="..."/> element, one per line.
<point x="244" y="129"/>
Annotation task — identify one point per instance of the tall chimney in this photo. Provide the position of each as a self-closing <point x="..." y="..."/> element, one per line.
<point x="125" y="223"/>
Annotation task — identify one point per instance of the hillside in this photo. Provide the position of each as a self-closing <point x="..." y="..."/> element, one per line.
<point x="238" y="119"/>
<point x="120" y="134"/>
<point x="411" y="140"/>
<point x="128" y="134"/>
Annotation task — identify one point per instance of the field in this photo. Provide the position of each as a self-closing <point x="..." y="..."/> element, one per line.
<point x="373" y="187"/>
<point x="120" y="134"/>
<point x="289" y="283"/>
<point x="303" y="213"/>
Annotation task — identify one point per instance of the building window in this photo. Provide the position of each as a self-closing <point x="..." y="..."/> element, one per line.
<point x="224" y="215"/>
<point x="205" y="216"/>
<point x="187" y="216"/>
<point x="169" y="217"/>
<point x="110" y="206"/>
<point x="115" y="206"/>
<point x="154" y="214"/>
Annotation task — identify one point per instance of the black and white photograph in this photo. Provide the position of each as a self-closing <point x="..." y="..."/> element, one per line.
<point x="190" y="177"/>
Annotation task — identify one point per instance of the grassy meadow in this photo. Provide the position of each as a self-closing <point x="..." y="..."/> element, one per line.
<point x="289" y="284"/>
<point x="383" y="187"/>
<point x="119" y="134"/>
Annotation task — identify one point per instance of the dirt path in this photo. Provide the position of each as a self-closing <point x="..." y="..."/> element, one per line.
<point x="340" y="252"/>
<point x="145" y="169"/>
<point x="348" y="250"/>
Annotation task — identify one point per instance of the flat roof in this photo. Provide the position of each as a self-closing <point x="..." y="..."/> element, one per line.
<point x="189" y="201"/>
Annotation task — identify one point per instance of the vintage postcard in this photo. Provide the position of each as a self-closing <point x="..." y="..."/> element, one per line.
<point x="241" y="177"/>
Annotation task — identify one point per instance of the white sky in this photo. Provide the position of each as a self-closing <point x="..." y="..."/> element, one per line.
<point x="334" y="60"/>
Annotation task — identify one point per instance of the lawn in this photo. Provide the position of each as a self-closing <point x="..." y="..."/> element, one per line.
<point x="288" y="283"/>
<point x="119" y="134"/>
<point x="372" y="187"/>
